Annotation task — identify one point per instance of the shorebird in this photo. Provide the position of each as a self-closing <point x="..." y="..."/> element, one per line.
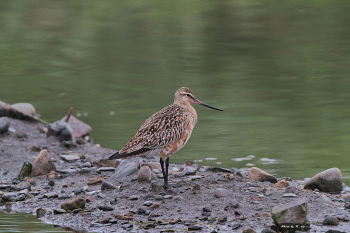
<point x="166" y="131"/>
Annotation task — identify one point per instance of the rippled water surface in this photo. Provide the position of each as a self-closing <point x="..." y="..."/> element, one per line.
<point x="279" y="69"/>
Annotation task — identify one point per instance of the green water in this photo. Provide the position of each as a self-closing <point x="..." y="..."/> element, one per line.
<point x="24" y="223"/>
<point x="279" y="69"/>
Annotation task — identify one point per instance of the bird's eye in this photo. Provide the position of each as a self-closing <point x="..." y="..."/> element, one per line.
<point x="189" y="95"/>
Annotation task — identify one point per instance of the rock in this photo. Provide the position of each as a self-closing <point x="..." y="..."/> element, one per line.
<point x="221" y="192"/>
<point x="194" y="228"/>
<point x="289" y="195"/>
<point x="59" y="211"/>
<point x="12" y="196"/>
<point x="329" y="180"/>
<point x="154" y="205"/>
<point x="40" y="212"/>
<point x="25" y="108"/>
<point x="62" y="130"/>
<point x="334" y="231"/>
<point x="106" y="163"/>
<point x="330" y="220"/>
<point x="282" y="184"/>
<point x="152" y="165"/>
<point x="108" y="186"/>
<point x="347" y="205"/>
<point x="268" y="230"/>
<point x="50" y="195"/>
<point x="68" y="171"/>
<point x="78" y="191"/>
<point x="188" y="171"/>
<point x="4" y="125"/>
<point x="222" y="218"/>
<point x="80" y="129"/>
<point x="134" y="197"/>
<point x="196" y="188"/>
<point x="105" y="208"/>
<point x="236" y="226"/>
<point x="26" y="170"/>
<point x="63" y="196"/>
<point x="292" y="212"/>
<point x="147" y="203"/>
<point x="77" y="203"/>
<point x="106" y="169"/>
<point x="96" y="180"/>
<point x="125" y="168"/>
<point x="70" y="157"/>
<point x="261" y="175"/>
<point x="156" y="188"/>
<point x="51" y="183"/>
<point x="248" y="230"/>
<point x="42" y="164"/>
<point x="145" y="174"/>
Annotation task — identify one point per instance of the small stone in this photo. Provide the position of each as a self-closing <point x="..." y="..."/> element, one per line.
<point x="51" y="183"/>
<point x="248" y="230"/>
<point x="335" y="231"/>
<point x="236" y="226"/>
<point x="106" y="169"/>
<point x="221" y="192"/>
<point x="108" y="186"/>
<point x="105" y="208"/>
<point x="64" y="196"/>
<point x="4" y="125"/>
<point x="50" y="195"/>
<point x="78" y="203"/>
<point x="86" y="164"/>
<point x="152" y="165"/>
<point x="25" y="108"/>
<point x="141" y="210"/>
<point x="40" y="212"/>
<point x="194" y="228"/>
<point x="68" y="171"/>
<point x="168" y="197"/>
<point x="347" y="205"/>
<point x="21" y="135"/>
<point x="261" y="175"/>
<point x="78" y="191"/>
<point x="133" y="197"/>
<point x="289" y="195"/>
<point x="222" y="218"/>
<point x="154" y="205"/>
<point x="42" y="164"/>
<point x="156" y="188"/>
<point x="206" y="209"/>
<point x="329" y="180"/>
<point x="26" y="170"/>
<point x="59" y="211"/>
<point x="70" y="157"/>
<point x="330" y="220"/>
<point x="96" y="180"/>
<point x="292" y="212"/>
<point x="188" y="171"/>
<point x="80" y="129"/>
<point x="282" y="184"/>
<point x="145" y="174"/>
<point x="12" y="196"/>
<point x="147" y="203"/>
<point x="268" y="230"/>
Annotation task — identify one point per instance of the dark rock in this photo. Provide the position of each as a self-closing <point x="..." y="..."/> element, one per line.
<point x="69" y="144"/>
<point x="79" y="128"/>
<point x="134" y="197"/>
<point x="248" y="230"/>
<point x="51" y="183"/>
<point x="206" y="209"/>
<point x="292" y="212"/>
<point x="4" y="125"/>
<point x="106" y="169"/>
<point x="261" y="175"/>
<point x="222" y="218"/>
<point x="40" y="212"/>
<point x="329" y="180"/>
<point x="62" y="130"/>
<point x="194" y="228"/>
<point x="26" y="170"/>
<point x="334" y="231"/>
<point x="77" y="203"/>
<point x="78" y="191"/>
<point x="42" y="164"/>
<point x="347" y="205"/>
<point x="145" y="174"/>
<point x="108" y="186"/>
<point x="12" y="196"/>
<point x="268" y="230"/>
<point x="106" y="208"/>
<point x="330" y="220"/>
<point x="236" y="226"/>
<point x="59" y="211"/>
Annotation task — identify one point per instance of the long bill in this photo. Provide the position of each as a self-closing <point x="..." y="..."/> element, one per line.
<point x="197" y="101"/>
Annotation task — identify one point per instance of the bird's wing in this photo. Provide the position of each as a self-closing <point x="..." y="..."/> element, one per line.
<point x="161" y="129"/>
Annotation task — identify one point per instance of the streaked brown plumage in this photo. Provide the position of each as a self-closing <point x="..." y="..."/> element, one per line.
<point x="166" y="131"/>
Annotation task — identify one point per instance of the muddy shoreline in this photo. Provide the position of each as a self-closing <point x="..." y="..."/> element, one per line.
<point x="192" y="203"/>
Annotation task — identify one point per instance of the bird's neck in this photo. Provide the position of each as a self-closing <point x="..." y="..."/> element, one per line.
<point x="189" y="107"/>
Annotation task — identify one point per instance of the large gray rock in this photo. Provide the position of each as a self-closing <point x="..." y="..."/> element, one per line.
<point x="329" y="180"/>
<point x="293" y="212"/>
<point x="42" y="164"/>
<point x="4" y="125"/>
<point x="61" y="129"/>
<point x="126" y="167"/>
<point x="261" y="175"/>
<point x="25" y="108"/>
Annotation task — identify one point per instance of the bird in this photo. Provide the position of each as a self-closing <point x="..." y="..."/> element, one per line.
<point x="165" y="132"/>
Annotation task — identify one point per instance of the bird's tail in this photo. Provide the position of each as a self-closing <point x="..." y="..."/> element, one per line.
<point x="118" y="155"/>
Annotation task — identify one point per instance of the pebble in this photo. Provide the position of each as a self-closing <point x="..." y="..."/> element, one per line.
<point x="42" y="164"/>
<point x="70" y="157"/>
<point x="222" y="218"/>
<point x="108" y="186"/>
<point x="282" y="184"/>
<point x="221" y="192"/>
<point x="134" y="197"/>
<point x="59" y="211"/>
<point x="50" y="195"/>
<point x="168" y="197"/>
<point x="236" y="226"/>
<point x="330" y="220"/>
<point x="248" y="230"/>
<point x="105" y="208"/>
<point x="106" y="169"/>
<point x="188" y="171"/>
<point x="68" y="171"/>
<point x="86" y="164"/>
<point x="78" y="191"/>
<point x="64" y="196"/>
<point x="77" y="203"/>
<point x="51" y="183"/>
<point x="261" y="175"/>
<point x="194" y="228"/>
<point x="147" y="203"/>
<point x="4" y="125"/>
<point x="329" y="180"/>
<point x="268" y="230"/>
<point x="289" y="195"/>
<point x="145" y="174"/>
<point x="40" y="212"/>
<point x="12" y="196"/>
<point x="96" y="180"/>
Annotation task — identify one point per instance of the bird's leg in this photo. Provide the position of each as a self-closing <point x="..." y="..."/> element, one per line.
<point x="166" y="171"/>
<point x="163" y="171"/>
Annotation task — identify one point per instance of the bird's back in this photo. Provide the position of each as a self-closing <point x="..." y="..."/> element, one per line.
<point x="171" y="125"/>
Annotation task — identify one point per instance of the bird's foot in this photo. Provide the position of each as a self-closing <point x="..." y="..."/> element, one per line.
<point x="165" y="186"/>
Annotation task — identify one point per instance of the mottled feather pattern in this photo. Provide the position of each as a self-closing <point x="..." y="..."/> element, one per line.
<point x="162" y="129"/>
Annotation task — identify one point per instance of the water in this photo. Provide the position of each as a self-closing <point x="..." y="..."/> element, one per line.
<point x="24" y="223"/>
<point x="279" y="69"/>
